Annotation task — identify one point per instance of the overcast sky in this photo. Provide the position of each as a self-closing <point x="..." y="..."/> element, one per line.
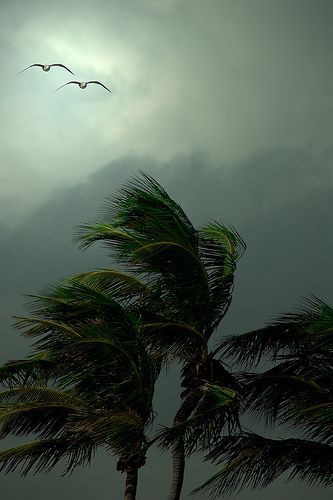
<point x="227" y="103"/>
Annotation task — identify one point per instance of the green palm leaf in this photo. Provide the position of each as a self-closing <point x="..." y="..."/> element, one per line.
<point x="113" y="430"/>
<point x="215" y="412"/>
<point x="41" y="410"/>
<point x="73" y="301"/>
<point x="220" y="249"/>
<point x="121" y="286"/>
<point x="43" y="455"/>
<point x="252" y="461"/>
<point x="293" y="334"/>
<point x="38" y="368"/>
<point x="271" y="394"/>
<point x="311" y="412"/>
<point x="171" y="339"/>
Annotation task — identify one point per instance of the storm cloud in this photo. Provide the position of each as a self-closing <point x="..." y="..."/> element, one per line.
<point x="225" y="77"/>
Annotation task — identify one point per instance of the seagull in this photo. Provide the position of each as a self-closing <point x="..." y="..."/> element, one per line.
<point x="46" y="67"/>
<point x="83" y="85"/>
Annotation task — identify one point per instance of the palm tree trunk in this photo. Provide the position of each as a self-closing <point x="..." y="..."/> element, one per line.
<point x="178" y="449"/>
<point x="178" y="469"/>
<point x="131" y="483"/>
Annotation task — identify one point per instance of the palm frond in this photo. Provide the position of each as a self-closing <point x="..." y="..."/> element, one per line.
<point x="172" y="339"/>
<point x="144" y="210"/>
<point x="119" y="285"/>
<point x="36" y="369"/>
<point x="228" y="249"/>
<point x="252" y="461"/>
<point x="75" y="300"/>
<point x="122" y="374"/>
<point x="113" y="430"/>
<point x="145" y="207"/>
<point x="41" y="326"/>
<point x="35" y="409"/>
<point x="43" y="455"/>
<point x="317" y="314"/>
<point x="220" y="248"/>
<point x="271" y="394"/>
<point x="24" y="394"/>
<point x="295" y="334"/>
<point x="215" y="413"/>
<point x="312" y="412"/>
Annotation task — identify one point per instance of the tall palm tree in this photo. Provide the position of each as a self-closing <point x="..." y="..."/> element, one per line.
<point x="296" y="392"/>
<point x="189" y="273"/>
<point x="88" y="383"/>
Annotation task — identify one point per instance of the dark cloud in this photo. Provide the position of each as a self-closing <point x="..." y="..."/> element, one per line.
<point x="227" y="77"/>
<point x="280" y="202"/>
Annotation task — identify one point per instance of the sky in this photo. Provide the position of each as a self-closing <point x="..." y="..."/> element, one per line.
<point x="228" y="104"/>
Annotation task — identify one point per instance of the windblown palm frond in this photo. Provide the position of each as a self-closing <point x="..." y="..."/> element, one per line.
<point x="36" y="369"/>
<point x="296" y="334"/>
<point x="220" y="248"/>
<point x="112" y="430"/>
<point x="270" y="395"/>
<point x="145" y="208"/>
<point x="74" y="301"/>
<point x="311" y="412"/>
<point x="252" y="461"/>
<point x="39" y="410"/>
<point x="44" y="455"/>
<point x="215" y="413"/>
<point x="122" y="287"/>
<point x="168" y="339"/>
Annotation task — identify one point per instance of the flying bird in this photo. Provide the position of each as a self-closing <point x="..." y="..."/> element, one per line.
<point x="83" y="85"/>
<point x="46" y="67"/>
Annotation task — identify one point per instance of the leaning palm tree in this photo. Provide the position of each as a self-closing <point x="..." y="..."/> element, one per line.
<point x="296" y="393"/>
<point x="89" y="383"/>
<point x="189" y="273"/>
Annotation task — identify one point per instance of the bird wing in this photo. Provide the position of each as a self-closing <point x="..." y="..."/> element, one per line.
<point x="31" y="65"/>
<point x="62" y="66"/>
<point x="66" y="84"/>
<point x="99" y="83"/>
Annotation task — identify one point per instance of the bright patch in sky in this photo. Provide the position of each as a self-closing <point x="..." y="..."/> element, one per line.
<point x="227" y="78"/>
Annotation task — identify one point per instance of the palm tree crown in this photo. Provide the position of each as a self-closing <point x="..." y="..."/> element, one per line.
<point x="296" y="392"/>
<point x="88" y="383"/>
<point x="189" y="273"/>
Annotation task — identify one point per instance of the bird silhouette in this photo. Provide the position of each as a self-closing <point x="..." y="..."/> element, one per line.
<point x="46" y="67"/>
<point x="83" y="85"/>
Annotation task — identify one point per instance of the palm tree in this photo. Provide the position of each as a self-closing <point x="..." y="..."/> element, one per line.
<point x="296" y="392"/>
<point x="88" y="383"/>
<point x="189" y="274"/>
